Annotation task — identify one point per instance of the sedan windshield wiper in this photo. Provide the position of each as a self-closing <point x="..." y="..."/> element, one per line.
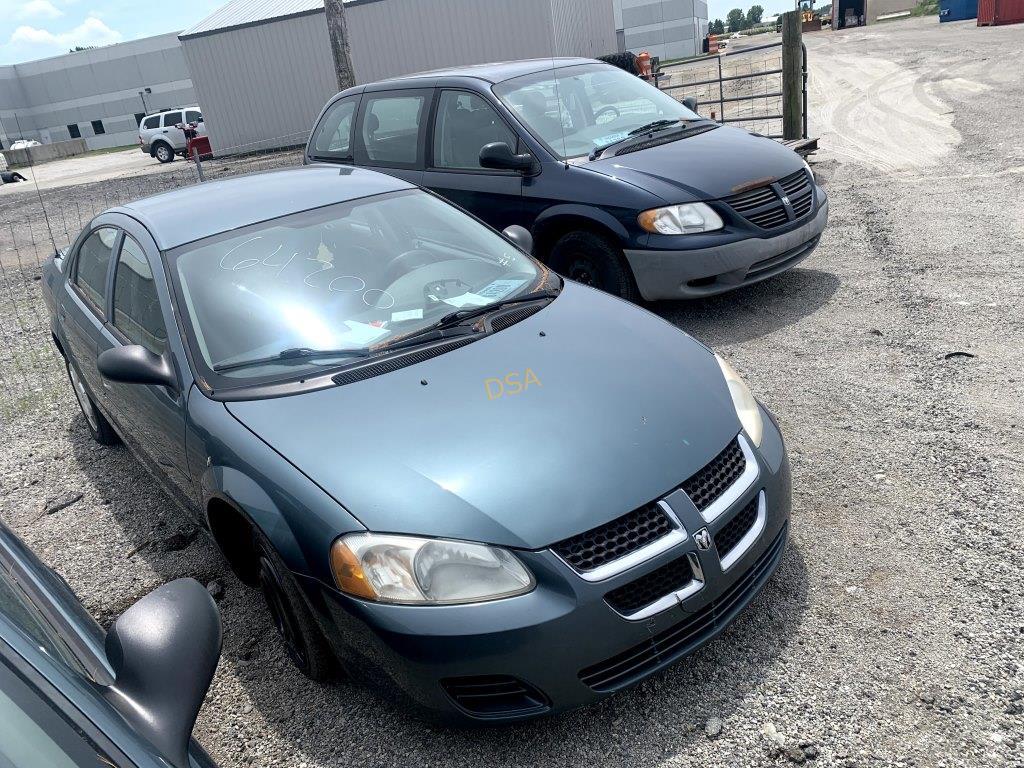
<point x="293" y="353"/>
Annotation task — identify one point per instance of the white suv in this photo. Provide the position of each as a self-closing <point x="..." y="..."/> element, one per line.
<point x="160" y="136"/>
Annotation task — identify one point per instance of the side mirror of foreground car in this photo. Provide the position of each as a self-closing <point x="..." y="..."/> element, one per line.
<point x="500" y="156"/>
<point x="134" y="364"/>
<point x="164" y="650"/>
<point x="520" y="236"/>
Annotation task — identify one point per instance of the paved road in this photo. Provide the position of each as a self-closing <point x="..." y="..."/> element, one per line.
<point x="892" y="634"/>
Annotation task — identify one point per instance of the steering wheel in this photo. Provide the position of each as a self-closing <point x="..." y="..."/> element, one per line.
<point x="407" y="262"/>
<point x="607" y="108"/>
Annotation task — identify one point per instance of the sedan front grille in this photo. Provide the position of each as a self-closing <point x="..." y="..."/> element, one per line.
<point x="671" y="577"/>
<point x="600" y="545"/>
<point x="689" y="633"/>
<point x="716" y="476"/>
<point x="763" y="206"/>
<point x="732" y="532"/>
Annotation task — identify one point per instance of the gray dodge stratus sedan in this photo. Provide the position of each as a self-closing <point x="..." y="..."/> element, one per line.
<point x="451" y="473"/>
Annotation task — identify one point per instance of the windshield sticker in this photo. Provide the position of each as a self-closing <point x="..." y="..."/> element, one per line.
<point x="601" y="141"/>
<point x="467" y="300"/>
<point x="409" y="314"/>
<point x="499" y="289"/>
<point x="361" y="334"/>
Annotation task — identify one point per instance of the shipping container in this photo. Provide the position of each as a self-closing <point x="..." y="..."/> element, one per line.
<point x="957" y="10"/>
<point x="1000" y="12"/>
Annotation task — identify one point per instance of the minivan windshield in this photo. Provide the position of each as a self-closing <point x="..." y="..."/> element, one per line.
<point x="575" y="110"/>
<point x="321" y="287"/>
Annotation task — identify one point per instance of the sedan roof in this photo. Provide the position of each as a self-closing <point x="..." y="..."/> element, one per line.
<point x="191" y="213"/>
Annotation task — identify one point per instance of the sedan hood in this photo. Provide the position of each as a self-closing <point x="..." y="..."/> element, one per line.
<point x="707" y="166"/>
<point x="521" y="438"/>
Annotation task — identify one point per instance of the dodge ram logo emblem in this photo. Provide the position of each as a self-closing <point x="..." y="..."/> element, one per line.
<point x="703" y="539"/>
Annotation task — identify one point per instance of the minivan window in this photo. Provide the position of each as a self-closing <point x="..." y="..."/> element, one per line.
<point x="577" y="109"/>
<point x="465" y="123"/>
<point x="136" y="304"/>
<point x="151" y="122"/>
<point x="390" y="129"/>
<point x="92" y="264"/>
<point x="293" y="295"/>
<point x="171" y="119"/>
<point x="334" y="134"/>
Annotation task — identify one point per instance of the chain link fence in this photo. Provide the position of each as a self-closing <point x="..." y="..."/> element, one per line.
<point x="43" y="214"/>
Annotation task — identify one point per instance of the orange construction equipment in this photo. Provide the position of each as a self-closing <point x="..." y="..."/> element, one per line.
<point x="643" y="60"/>
<point x="712" y="45"/>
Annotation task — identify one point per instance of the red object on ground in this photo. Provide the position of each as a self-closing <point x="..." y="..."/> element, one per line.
<point x="1000" y="12"/>
<point x="200" y="144"/>
<point x="712" y="45"/>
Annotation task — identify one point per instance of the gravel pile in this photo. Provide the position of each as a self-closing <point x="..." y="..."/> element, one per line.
<point x="893" y="633"/>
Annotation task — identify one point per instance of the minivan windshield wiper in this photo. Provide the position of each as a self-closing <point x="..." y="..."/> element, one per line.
<point x="292" y="353"/>
<point x="654" y="125"/>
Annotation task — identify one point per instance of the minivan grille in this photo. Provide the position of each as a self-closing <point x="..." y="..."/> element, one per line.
<point x="671" y="577"/>
<point x="763" y="206"/>
<point x="730" y="534"/>
<point x="494" y="695"/>
<point x="716" y="476"/>
<point x="625" y="534"/>
<point x="685" y="636"/>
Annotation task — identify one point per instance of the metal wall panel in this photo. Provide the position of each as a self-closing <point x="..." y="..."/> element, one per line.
<point x="261" y="86"/>
<point x="583" y="27"/>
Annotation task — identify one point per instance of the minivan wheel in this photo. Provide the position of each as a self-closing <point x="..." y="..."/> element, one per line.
<point x="99" y="427"/>
<point x="303" y="641"/>
<point x="593" y="260"/>
<point x="163" y="153"/>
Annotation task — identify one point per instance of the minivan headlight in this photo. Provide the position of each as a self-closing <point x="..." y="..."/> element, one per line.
<point x="685" y="219"/>
<point x="416" y="571"/>
<point x="744" y="402"/>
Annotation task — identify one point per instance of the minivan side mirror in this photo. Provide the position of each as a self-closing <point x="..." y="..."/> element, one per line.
<point x="690" y="102"/>
<point x="134" y="364"/>
<point x="520" y="236"/>
<point x="164" y="650"/>
<point x="499" y="155"/>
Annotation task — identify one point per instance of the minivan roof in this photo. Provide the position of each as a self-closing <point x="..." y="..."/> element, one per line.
<point x="498" y="71"/>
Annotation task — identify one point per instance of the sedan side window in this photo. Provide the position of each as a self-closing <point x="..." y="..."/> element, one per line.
<point x="465" y="123"/>
<point x="391" y="129"/>
<point x="93" y="262"/>
<point x="334" y="134"/>
<point x="136" y="304"/>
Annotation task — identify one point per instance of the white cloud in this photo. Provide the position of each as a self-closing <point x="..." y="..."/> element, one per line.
<point x="38" y="8"/>
<point x="92" y="31"/>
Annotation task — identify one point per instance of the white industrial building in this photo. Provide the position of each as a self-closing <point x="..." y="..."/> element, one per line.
<point x="263" y="69"/>
<point x="668" y="29"/>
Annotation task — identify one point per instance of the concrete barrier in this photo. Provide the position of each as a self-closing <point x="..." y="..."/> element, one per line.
<point x="45" y="152"/>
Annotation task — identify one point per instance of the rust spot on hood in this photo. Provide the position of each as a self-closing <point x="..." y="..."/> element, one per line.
<point x="753" y="184"/>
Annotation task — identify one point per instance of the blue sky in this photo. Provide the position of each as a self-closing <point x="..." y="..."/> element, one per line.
<point x="717" y="9"/>
<point x="34" y="29"/>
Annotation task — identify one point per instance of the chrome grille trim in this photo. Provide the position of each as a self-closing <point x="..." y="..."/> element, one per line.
<point x="737" y="489"/>
<point x="743" y="545"/>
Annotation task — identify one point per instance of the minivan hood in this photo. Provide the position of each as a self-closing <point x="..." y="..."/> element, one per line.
<point x="617" y="408"/>
<point x="710" y="165"/>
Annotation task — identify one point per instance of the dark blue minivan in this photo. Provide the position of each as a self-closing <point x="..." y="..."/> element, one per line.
<point x="621" y="186"/>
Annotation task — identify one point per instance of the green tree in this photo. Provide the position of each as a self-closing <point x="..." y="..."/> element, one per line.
<point x="717" y="27"/>
<point x="736" y="20"/>
<point x="754" y="15"/>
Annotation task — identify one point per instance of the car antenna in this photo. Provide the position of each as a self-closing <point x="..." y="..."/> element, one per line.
<point x="558" y="95"/>
<point x="32" y="173"/>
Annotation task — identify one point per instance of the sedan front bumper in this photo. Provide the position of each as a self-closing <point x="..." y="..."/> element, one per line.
<point x="563" y="645"/>
<point x="691" y="274"/>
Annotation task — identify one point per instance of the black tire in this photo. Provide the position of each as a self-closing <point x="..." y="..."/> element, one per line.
<point x="163" y="152"/>
<point x="592" y="259"/>
<point x="97" y="423"/>
<point x="303" y="640"/>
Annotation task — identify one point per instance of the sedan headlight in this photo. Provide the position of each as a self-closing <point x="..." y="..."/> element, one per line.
<point x="744" y="402"/>
<point x="411" y="570"/>
<point x="680" y="219"/>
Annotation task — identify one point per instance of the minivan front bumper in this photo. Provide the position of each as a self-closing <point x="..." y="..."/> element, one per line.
<point x="691" y="274"/>
<point x="562" y="645"/>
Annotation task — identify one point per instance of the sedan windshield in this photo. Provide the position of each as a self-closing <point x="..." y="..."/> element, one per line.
<point x="323" y="287"/>
<point x="575" y="110"/>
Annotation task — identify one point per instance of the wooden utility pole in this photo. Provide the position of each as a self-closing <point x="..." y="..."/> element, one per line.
<point x="792" y="76"/>
<point x="338" y="31"/>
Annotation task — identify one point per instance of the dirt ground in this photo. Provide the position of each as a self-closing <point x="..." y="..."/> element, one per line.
<point x="892" y="634"/>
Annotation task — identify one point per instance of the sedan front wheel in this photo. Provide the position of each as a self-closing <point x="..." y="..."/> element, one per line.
<point x="99" y="427"/>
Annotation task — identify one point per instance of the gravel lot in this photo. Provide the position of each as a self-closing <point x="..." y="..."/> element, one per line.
<point x="893" y="632"/>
